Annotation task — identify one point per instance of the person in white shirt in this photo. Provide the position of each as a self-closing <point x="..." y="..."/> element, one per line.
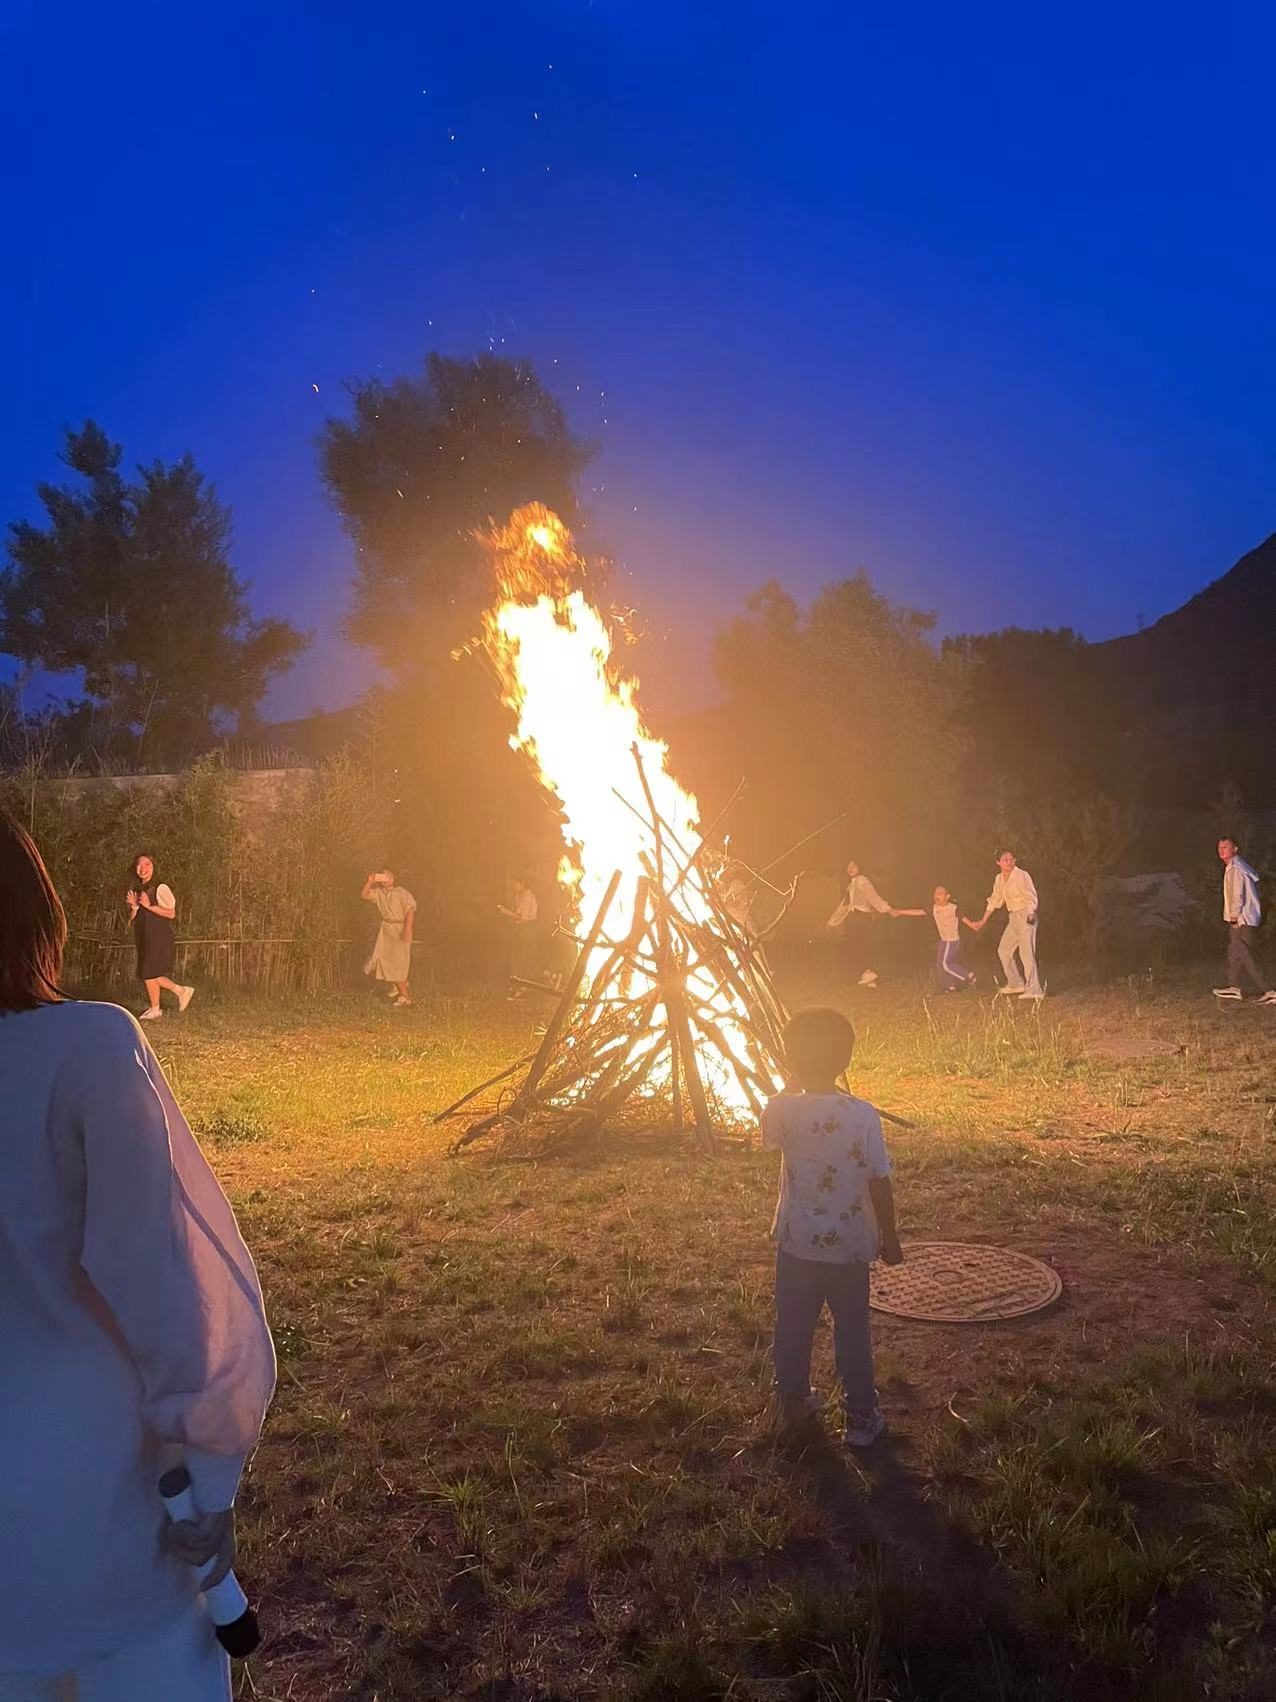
<point x="524" y="915"/>
<point x="859" y="904"/>
<point x="1243" y="913"/>
<point x="151" y="909"/>
<point x="134" y="1340"/>
<point x="951" y="976"/>
<point x="736" y="889"/>
<point x="1014" y="891"/>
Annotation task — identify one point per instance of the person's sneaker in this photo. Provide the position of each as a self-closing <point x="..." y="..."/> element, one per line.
<point x="863" y="1428"/>
<point x="400" y="1004"/>
<point x="184" y="997"/>
<point x="1227" y="992"/>
<point x="1040" y="995"/>
<point x="1268" y="998"/>
<point x="868" y="978"/>
<point x="792" y="1415"/>
<point x="153" y="1014"/>
<point x="1017" y="991"/>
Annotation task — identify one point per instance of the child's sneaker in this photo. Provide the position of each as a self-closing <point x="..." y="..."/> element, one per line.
<point x="863" y="1428"/>
<point x="184" y="997"/>
<point x="792" y="1415"/>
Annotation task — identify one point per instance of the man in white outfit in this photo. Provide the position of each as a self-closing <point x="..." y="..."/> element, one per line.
<point x="1014" y="891"/>
<point x="1242" y="912"/>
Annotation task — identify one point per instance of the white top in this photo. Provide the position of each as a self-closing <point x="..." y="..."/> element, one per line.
<point x="133" y="1335"/>
<point x="1014" y="890"/>
<point x="1240" y="893"/>
<point x="164" y="897"/>
<point x="861" y="895"/>
<point x="526" y="908"/>
<point x="832" y="1146"/>
<point x="946" y="920"/>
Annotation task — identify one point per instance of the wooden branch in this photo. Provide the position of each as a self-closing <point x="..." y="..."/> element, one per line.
<point x="805" y="840"/>
<point x="691" y="1068"/>
<point x="712" y="1031"/>
<point x="482" y="1087"/>
<point x="570" y="989"/>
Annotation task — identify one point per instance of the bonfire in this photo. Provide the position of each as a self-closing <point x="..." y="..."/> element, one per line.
<point x="669" y="1012"/>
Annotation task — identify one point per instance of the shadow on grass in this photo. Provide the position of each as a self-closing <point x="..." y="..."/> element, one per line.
<point x="914" y="1604"/>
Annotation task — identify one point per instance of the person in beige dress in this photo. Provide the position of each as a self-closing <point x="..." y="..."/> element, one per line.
<point x="391" y="958"/>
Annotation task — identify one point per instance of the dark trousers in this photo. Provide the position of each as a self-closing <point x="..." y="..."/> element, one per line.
<point x="857" y="944"/>
<point x="802" y="1286"/>
<point x="525" y="951"/>
<point x="1241" y="962"/>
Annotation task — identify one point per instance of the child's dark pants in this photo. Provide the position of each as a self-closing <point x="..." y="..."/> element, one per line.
<point x="802" y="1286"/>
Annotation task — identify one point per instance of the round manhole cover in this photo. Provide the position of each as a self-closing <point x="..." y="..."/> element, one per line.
<point x="953" y="1282"/>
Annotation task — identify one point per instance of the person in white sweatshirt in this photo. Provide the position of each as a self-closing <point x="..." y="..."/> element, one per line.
<point x="1242" y="913"/>
<point x="1014" y="891"/>
<point x="134" y="1339"/>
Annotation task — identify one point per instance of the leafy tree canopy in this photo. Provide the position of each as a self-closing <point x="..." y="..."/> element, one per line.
<point x="416" y="468"/>
<point x="129" y="583"/>
<point x="846" y="704"/>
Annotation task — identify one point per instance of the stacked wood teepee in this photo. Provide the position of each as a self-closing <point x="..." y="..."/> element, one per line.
<point x="671" y="1016"/>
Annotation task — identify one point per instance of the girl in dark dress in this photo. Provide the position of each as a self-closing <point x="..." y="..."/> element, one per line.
<point x="152" y="908"/>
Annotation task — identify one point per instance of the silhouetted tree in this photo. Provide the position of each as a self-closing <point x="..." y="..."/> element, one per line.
<point x="422" y="462"/>
<point x="1040" y="713"/>
<point x="129" y="583"/>
<point x="847" y="704"/>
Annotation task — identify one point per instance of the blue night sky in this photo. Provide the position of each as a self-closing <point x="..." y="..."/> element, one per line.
<point x="978" y="299"/>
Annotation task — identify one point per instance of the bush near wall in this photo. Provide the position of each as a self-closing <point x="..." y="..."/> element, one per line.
<point x="267" y="873"/>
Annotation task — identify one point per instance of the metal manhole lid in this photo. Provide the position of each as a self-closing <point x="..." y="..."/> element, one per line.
<point x="958" y="1282"/>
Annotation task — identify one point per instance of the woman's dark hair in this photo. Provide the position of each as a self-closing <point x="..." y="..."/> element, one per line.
<point x="32" y="923"/>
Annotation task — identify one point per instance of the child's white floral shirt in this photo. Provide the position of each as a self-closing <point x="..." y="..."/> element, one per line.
<point x="832" y="1147"/>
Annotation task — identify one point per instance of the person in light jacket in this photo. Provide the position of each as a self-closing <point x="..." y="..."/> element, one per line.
<point x="859" y="904"/>
<point x="134" y="1340"/>
<point x="1242" y="913"/>
<point x="1015" y="892"/>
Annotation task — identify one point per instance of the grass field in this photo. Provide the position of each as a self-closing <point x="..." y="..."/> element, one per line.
<point x="518" y="1447"/>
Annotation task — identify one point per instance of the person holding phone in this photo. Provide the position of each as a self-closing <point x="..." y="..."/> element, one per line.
<point x="391" y="959"/>
<point x="134" y="1335"/>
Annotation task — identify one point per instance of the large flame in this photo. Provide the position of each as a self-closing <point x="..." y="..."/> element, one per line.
<point x="577" y="721"/>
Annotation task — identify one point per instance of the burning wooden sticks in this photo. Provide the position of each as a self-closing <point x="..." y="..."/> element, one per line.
<point x="670" y="1002"/>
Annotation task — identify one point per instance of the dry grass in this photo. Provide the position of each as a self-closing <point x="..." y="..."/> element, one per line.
<point x="518" y="1448"/>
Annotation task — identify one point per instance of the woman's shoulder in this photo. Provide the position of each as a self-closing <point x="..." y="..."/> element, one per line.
<point x="93" y="1020"/>
<point x="74" y="1029"/>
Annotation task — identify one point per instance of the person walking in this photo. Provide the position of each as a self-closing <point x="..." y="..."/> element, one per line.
<point x="1242" y="913"/>
<point x="134" y="1335"/>
<point x="152" y="908"/>
<point x="859" y="904"/>
<point x="524" y="918"/>
<point x="951" y="975"/>
<point x="1015" y="892"/>
<point x="391" y="959"/>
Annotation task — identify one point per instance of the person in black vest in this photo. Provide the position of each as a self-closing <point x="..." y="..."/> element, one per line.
<point x="151" y="908"/>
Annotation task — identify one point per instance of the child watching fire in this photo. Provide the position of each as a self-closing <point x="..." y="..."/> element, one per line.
<point x="835" y="1215"/>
